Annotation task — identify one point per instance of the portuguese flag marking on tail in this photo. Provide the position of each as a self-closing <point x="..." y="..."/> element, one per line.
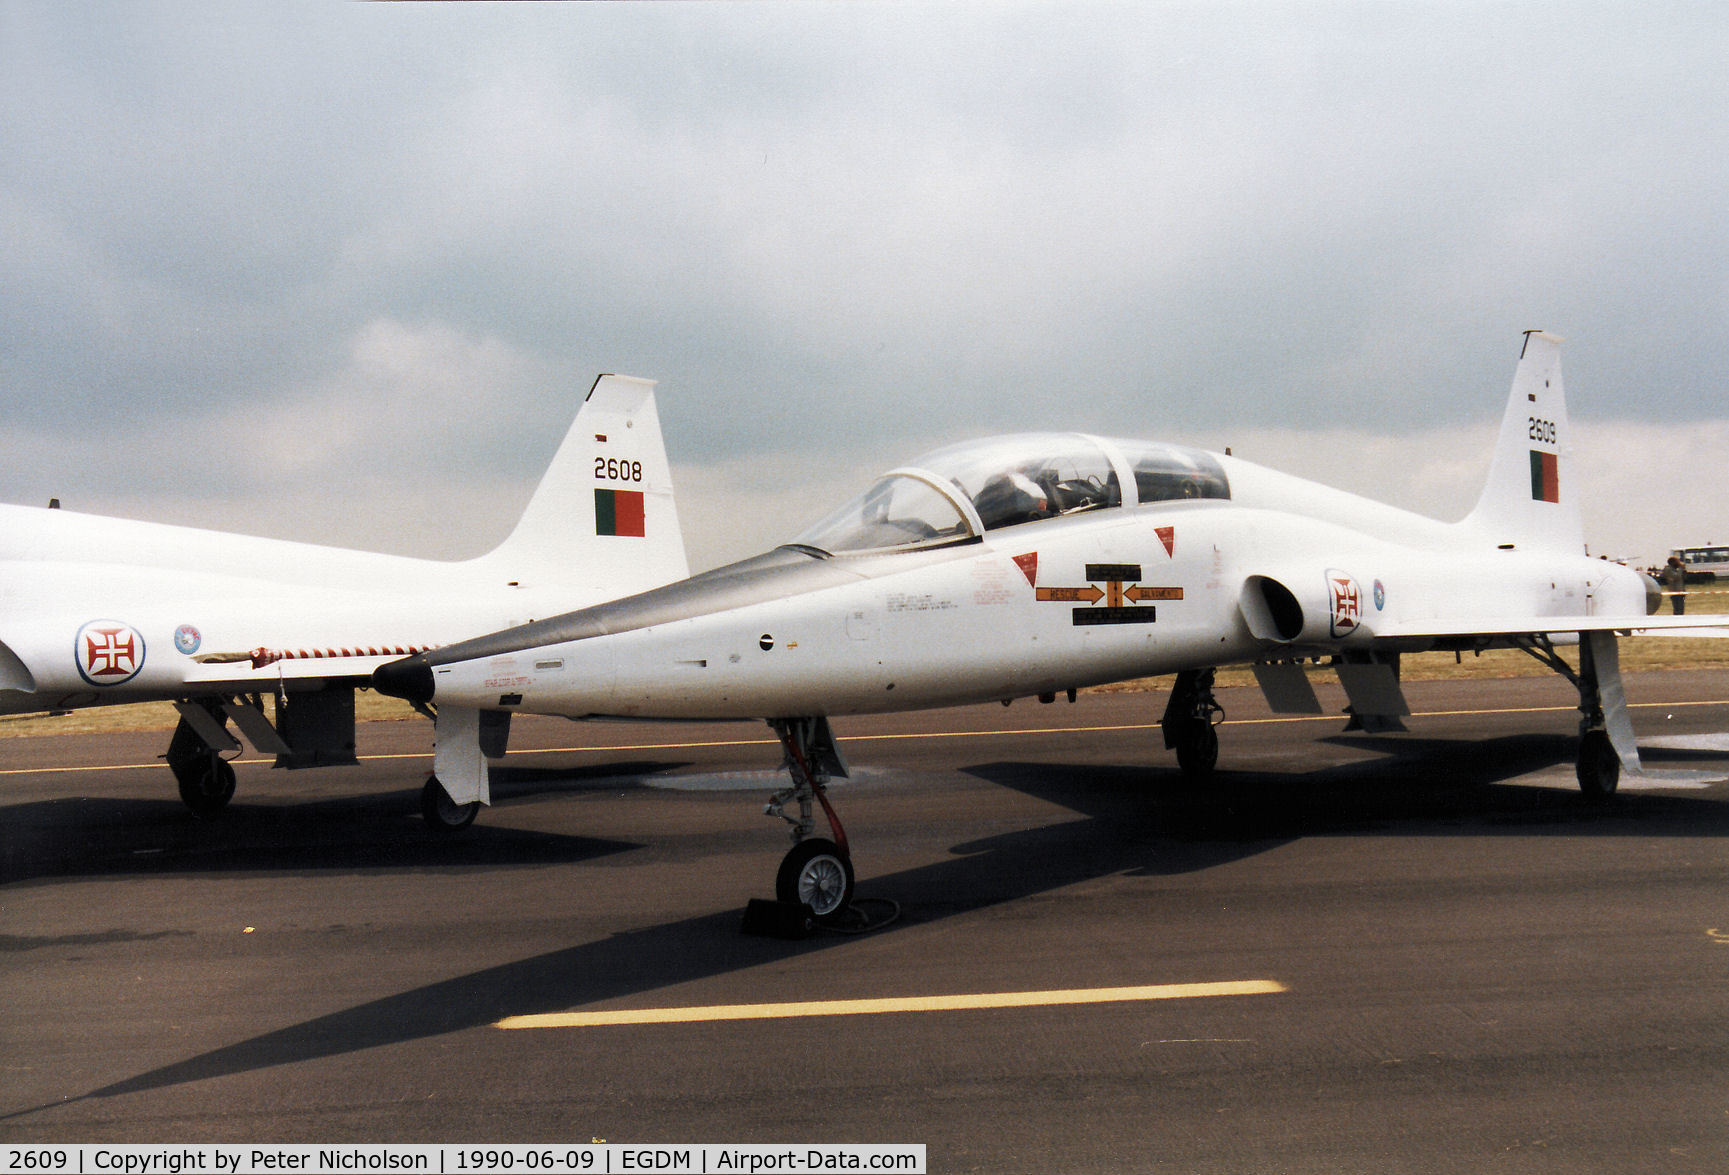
<point x="619" y="512"/>
<point x="1545" y="477"/>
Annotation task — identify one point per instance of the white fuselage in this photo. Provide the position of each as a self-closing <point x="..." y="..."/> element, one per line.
<point x="1057" y="604"/>
<point x="161" y="597"/>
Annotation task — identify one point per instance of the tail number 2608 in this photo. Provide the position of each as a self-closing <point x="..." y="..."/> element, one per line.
<point x="612" y="469"/>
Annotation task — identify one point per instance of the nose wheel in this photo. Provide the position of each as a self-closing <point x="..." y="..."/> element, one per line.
<point x="816" y="873"/>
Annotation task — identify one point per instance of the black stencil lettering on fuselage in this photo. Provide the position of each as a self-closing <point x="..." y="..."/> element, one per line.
<point x="1085" y="616"/>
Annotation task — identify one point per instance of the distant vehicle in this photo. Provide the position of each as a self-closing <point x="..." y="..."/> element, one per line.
<point x="1704" y="564"/>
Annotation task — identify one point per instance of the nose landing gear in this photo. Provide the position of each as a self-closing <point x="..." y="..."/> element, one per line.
<point x="818" y="871"/>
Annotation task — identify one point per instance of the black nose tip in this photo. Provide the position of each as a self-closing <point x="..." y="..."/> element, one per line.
<point x="409" y="679"/>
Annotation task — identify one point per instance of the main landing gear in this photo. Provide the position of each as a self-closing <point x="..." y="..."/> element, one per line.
<point x="441" y="813"/>
<point x="818" y="871"/>
<point x="1190" y="723"/>
<point x="206" y="779"/>
<point x="1603" y="720"/>
<point x="314" y="727"/>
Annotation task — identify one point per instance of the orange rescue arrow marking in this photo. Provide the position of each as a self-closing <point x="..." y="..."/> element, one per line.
<point x="1087" y="595"/>
<point x="1139" y="593"/>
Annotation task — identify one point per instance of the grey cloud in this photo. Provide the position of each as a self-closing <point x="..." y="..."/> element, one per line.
<point x="833" y="226"/>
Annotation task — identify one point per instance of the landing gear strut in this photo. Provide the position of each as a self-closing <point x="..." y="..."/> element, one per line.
<point x="1602" y="707"/>
<point x="1599" y="766"/>
<point x="818" y="871"/>
<point x="1191" y="717"/>
<point x="206" y="779"/>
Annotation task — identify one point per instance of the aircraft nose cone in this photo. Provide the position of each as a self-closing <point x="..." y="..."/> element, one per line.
<point x="409" y="679"/>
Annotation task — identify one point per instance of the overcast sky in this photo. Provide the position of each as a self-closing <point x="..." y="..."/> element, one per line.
<point x="343" y="271"/>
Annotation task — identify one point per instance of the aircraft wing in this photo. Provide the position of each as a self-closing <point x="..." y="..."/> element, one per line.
<point x="1713" y="625"/>
<point x="245" y="671"/>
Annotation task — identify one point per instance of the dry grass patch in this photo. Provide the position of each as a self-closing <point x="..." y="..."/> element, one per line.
<point x="368" y="707"/>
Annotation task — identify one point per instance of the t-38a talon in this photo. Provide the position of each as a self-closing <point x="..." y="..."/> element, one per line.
<point x="1027" y="565"/>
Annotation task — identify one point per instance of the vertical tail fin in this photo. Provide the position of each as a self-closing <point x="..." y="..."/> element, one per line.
<point x="1531" y="501"/>
<point x="604" y="511"/>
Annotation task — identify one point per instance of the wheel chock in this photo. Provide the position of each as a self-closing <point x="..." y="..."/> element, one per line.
<point x="769" y="919"/>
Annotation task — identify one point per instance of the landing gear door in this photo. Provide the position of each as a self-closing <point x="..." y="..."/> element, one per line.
<point x="458" y="760"/>
<point x="1612" y="696"/>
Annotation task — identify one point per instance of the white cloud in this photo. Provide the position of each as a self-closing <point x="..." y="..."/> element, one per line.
<point x="414" y="417"/>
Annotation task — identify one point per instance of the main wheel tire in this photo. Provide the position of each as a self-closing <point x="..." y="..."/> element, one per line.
<point x="1599" y="767"/>
<point x="206" y="785"/>
<point x="1198" y="751"/>
<point x="817" y="874"/>
<point x="441" y="813"/>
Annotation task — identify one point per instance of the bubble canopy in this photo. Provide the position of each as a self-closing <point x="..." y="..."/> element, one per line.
<point x="956" y="494"/>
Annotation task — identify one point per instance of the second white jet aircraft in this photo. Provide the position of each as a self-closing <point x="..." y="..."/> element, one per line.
<point x="100" y="611"/>
<point x="1029" y="565"/>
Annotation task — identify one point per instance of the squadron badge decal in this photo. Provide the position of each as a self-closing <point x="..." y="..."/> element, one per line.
<point x="187" y="639"/>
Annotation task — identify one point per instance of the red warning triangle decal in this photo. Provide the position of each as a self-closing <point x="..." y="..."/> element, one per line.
<point x="1168" y="536"/>
<point x="1029" y="565"/>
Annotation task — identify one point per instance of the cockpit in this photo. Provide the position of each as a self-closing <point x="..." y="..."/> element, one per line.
<point x="956" y="494"/>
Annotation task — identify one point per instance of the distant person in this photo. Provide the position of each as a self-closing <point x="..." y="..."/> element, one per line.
<point x="1674" y="581"/>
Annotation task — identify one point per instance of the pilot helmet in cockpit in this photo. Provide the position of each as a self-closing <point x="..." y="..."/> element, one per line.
<point x="1011" y="498"/>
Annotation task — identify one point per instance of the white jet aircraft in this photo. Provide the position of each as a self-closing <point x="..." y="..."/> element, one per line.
<point x="1028" y="565"/>
<point x="97" y="611"/>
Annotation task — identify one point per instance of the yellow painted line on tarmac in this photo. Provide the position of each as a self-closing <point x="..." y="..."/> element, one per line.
<point x="615" y="748"/>
<point x="891" y="1006"/>
<point x="72" y="770"/>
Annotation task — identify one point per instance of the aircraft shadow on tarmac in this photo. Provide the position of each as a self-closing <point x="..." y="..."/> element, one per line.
<point x="1134" y="820"/>
<point x="1417" y="786"/>
<point x="94" y="837"/>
